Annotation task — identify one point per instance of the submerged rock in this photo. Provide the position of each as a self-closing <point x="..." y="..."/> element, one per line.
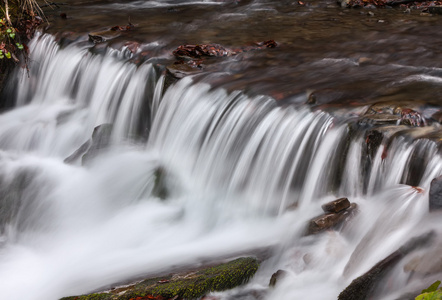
<point x="362" y="287"/>
<point x="191" y="285"/>
<point x="160" y="188"/>
<point x="88" y="150"/>
<point x="277" y="276"/>
<point x="435" y="197"/>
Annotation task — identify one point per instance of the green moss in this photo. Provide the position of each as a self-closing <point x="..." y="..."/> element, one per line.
<point x="188" y="286"/>
<point x="103" y="296"/>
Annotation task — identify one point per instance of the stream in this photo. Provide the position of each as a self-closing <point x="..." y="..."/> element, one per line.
<point x="250" y="146"/>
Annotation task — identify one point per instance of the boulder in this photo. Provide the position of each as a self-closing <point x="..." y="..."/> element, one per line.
<point x="331" y="220"/>
<point x="435" y="197"/>
<point x="362" y="287"/>
<point x="191" y="285"/>
<point x="336" y="206"/>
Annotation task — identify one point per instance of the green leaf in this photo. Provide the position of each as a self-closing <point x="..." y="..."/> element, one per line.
<point x="1" y="55"/>
<point x="8" y="30"/>
<point x="19" y="46"/>
<point x="8" y="55"/>
<point x="431" y="288"/>
<point x="12" y="35"/>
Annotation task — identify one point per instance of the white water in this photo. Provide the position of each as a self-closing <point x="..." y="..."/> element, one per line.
<point x="234" y="165"/>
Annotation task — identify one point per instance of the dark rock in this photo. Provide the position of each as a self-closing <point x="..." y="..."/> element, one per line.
<point x="437" y="9"/>
<point x="436" y="194"/>
<point x="160" y="189"/>
<point x="373" y="141"/>
<point x="277" y="276"/>
<point x="362" y="287"/>
<point x="103" y="36"/>
<point x="336" y="205"/>
<point x="192" y="285"/>
<point x="437" y="117"/>
<point x="331" y="220"/>
<point x="182" y="70"/>
<point x="198" y="51"/>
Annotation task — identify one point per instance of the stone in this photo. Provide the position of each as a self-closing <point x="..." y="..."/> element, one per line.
<point x="363" y="287"/>
<point x="380" y="119"/>
<point x="100" y="139"/>
<point x="277" y="276"/>
<point x="435" y="197"/>
<point x="437" y="9"/>
<point x="336" y="206"/>
<point x="391" y="112"/>
<point x="103" y="36"/>
<point x="331" y="220"/>
<point x="160" y="189"/>
<point x="190" y="285"/>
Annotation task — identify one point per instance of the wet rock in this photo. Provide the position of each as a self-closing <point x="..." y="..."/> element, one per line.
<point x="198" y="51"/>
<point x="160" y="189"/>
<point x="437" y="116"/>
<point x="106" y="35"/>
<point x="344" y="3"/>
<point x="88" y="150"/>
<point x="387" y="113"/>
<point x="71" y="159"/>
<point x="277" y="276"/>
<point x="191" y="285"/>
<point x="336" y="206"/>
<point x="435" y="9"/>
<point x="362" y="287"/>
<point x="215" y="50"/>
<point x="435" y="197"/>
<point x="182" y="70"/>
<point x="380" y="119"/>
<point x="100" y="140"/>
<point x="331" y="220"/>
<point x="426" y="264"/>
<point x="373" y="141"/>
<point x="103" y="36"/>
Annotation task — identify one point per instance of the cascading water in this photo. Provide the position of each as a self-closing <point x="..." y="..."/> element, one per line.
<point x="243" y="173"/>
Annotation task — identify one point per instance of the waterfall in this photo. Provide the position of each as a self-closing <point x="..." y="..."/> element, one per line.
<point x="242" y="173"/>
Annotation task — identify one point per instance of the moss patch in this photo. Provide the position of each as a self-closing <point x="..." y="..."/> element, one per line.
<point x="187" y="286"/>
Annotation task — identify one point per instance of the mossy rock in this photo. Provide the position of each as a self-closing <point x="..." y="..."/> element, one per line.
<point x="186" y="286"/>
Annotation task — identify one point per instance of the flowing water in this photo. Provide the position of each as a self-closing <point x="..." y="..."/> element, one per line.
<point x="243" y="172"/>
